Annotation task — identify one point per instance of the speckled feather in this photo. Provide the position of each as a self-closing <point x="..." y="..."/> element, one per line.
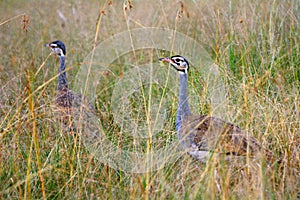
<point x="213" y="134"/>
<point x="67" y="98"/>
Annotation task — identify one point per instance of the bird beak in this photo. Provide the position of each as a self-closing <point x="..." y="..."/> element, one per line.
<point x="166" y="60"/>
<point x="47" y="45"/>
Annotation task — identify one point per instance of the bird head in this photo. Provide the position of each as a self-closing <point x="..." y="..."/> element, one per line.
<point x="57" y="47"/>
<point x="178" y="62"/>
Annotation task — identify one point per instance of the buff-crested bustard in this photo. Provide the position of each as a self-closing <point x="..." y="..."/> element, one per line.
<point x="202" y="134"/>
<point x="66" y="100"/>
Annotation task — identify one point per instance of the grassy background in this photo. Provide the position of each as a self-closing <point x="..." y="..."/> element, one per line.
<point x="256" y="44"/>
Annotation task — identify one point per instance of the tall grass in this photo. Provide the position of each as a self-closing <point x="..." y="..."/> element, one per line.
<point x="256" y="45"/>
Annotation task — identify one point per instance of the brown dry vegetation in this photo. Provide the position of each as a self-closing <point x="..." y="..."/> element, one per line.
<point x="255" y="43"/>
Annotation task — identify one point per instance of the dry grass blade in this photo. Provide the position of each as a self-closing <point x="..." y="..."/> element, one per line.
<point x="255" y="44"/>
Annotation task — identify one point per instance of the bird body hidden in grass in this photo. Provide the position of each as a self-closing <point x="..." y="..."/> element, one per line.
<point x="202" y="135"/>
<point x="66" y="100"/>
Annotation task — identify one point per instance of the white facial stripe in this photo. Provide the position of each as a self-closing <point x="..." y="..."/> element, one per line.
<point x="181" y="68"/>
<point x="179" y="61"/>
<point x="180" y="64"/>
<point x="177" y="57"/>
<point x="61" y="52"/>
<point x="58" y="51"/>
<point x="53" y="45"/>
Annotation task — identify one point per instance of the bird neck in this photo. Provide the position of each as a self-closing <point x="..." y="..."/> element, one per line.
<point x="183" y="105"/>
<point x="62" y="77"/>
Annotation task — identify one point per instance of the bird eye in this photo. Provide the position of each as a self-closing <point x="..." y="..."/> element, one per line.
<point x="177" y="60"/>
